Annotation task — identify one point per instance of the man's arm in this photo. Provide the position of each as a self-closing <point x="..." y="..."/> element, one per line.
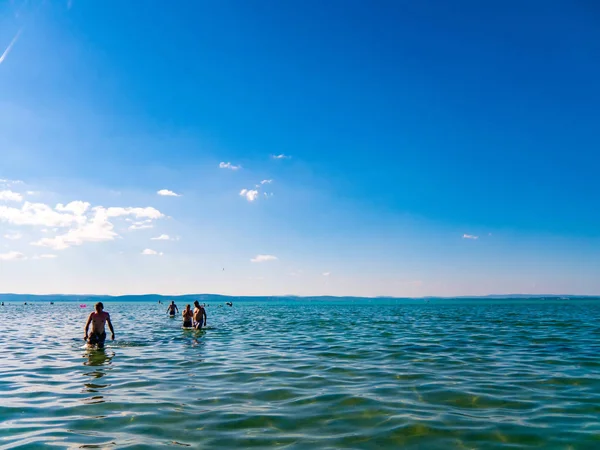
<point x="87" y="325"/>
<point x="177" y="309"/>
<point x="204" y="314"/>
<point x="110" y="327"/>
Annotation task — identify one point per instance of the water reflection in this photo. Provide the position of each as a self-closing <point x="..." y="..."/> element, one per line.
<point x="100" y="361"/>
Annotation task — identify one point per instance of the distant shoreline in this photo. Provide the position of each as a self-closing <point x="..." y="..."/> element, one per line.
<point x="222" y="298"/>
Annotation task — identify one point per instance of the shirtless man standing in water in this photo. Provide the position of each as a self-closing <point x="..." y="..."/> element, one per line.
<point x="98" y="319"/>
<point x="199" y="314"/>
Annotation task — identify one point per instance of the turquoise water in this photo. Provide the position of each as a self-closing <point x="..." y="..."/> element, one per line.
<point x="437" y="375"/>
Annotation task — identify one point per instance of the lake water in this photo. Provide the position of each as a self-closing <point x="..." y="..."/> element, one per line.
<point x="368" y="375"/>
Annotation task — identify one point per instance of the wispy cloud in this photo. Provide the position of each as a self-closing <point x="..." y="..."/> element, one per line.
<point x="470" y="236"/>
<point x="281" y="156"/>
<point x="228" y="165"/>
<point x="266" y="181"/>
<point x="13" y="236"/>
<point x="12" y="256"/>
<point x="168" y="193"/>
<point x="150" y="252"/>
<point x="162" y="237"/>
<point x="326" y="274"/>
<point x="250" y="194"/>
<point x="10" y="46"/>
<point x="6" y="182"/>
<point x="139" y="213"/>
<point x="263" y="258"/>
<point x="10" y="196"/>
<point x="45" y="256"/>
<point x="141" y="225"/>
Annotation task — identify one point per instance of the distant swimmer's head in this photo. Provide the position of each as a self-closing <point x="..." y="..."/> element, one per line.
<point x="99" y="307"/>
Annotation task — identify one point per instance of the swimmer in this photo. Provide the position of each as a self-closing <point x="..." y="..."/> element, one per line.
<point x="172" y="308"/>
<point x="187" y="317"/>
<point x="199" y="314"/>
<point x="98" y="319"/>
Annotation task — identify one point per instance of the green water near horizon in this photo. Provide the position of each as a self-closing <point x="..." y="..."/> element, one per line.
<point x="369" y="375"/>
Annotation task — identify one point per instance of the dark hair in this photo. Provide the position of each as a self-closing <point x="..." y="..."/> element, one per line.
<point x="196" y="303"/>
<point x="99" y="305"/>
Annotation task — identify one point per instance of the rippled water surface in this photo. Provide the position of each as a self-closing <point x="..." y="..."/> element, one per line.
<point x="438" y="375"/>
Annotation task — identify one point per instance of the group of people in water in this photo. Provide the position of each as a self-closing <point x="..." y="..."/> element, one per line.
<point x="99" y="318"/>
<point x="191" y="319"/>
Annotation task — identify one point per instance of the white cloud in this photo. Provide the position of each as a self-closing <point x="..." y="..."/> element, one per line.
<point x="270" y="194"/>
<point x="139" y="213"/>
<point x="46" y="256"/>
<point x="250" y="194"/>
<point x="326" y="274"/>
<point x="470" y="236"/>
<point x="10" y="196"/>
<point x="141" y="225"/>
<point x="13" y="236"/>
<point x="168" y="193"/>
<point x="12" y="256"/>
<point x="263" y="258"/>
<point x="98" y="229"/>
<point x="76" y="207"/>
<point x="281" y="156"/>
<point x="83" y="223"/>
<point x="7" y="182"/>
<point x="38" y="214"/>
<point x="266" y="181"/>
<point x="162" y="237"/>
<point x="150" y="252"/>
<point x="228" y="165"/>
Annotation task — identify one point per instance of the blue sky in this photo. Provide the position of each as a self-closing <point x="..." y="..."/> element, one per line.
<point x="430" y="148"/>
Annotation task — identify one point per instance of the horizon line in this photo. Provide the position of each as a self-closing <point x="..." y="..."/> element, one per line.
<point x="307" y="296"/>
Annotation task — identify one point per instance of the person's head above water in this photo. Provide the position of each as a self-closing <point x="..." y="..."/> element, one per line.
<point x="99" y="307"/>
<point x="172" y="302"/>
